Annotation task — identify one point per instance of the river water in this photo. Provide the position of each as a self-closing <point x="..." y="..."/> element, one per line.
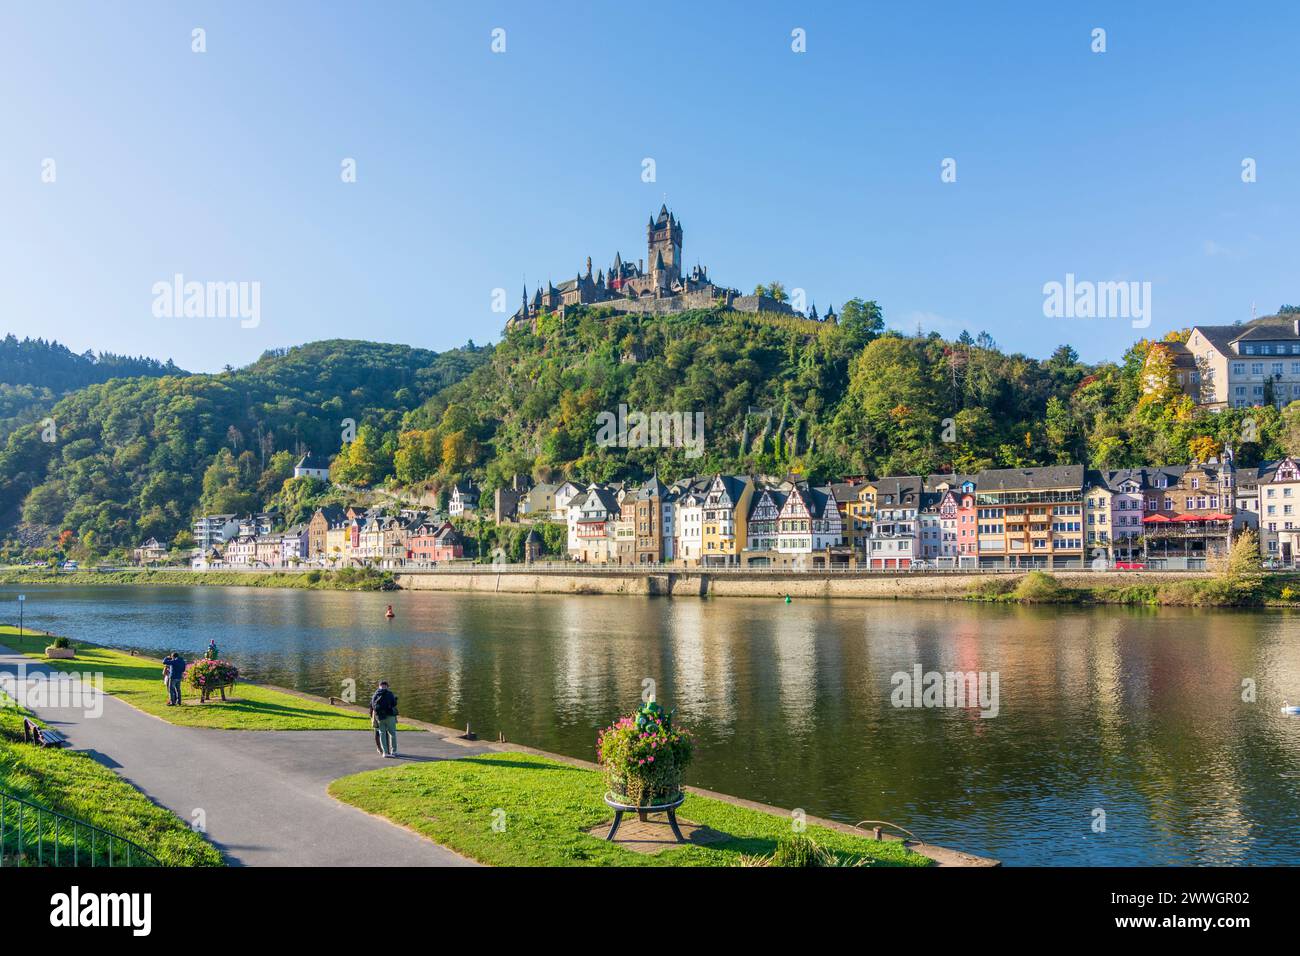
<point x="1120" y="737"/>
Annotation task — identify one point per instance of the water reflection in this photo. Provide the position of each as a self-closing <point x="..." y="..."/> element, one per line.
<point x="1135" y="713"/>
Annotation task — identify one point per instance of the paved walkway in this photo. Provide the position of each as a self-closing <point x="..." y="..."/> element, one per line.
<point x="262" y="791"/>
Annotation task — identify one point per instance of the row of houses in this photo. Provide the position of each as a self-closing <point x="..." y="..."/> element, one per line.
<point x="1065" y="516"/>
<point x="1062" y="516"/>
<point x="334" y="536"/>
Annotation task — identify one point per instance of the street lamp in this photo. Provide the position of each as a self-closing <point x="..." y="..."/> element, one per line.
<point x="22" y="599"/>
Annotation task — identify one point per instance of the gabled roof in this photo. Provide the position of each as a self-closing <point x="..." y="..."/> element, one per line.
<point x="1265" y="328"/>
<point x="314" y="462"/>
<point x="902" y="490"/>
<point x="1030" y="479"/>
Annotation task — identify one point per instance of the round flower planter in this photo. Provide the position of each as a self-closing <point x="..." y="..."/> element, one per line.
<point x="206" y="692"/>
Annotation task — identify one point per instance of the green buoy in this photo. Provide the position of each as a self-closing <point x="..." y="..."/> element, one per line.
<point x="787" y="599"/>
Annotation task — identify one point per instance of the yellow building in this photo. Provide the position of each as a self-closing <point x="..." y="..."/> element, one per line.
<point x="725" y="519"/>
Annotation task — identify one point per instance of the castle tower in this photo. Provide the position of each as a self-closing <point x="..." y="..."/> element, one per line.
<point x="664" y="238"/>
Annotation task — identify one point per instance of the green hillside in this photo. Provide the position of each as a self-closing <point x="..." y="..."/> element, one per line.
<point x="780" y="394"/>
<point x="138" y="457"/>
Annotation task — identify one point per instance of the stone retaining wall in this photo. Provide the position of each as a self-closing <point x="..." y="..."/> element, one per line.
<point x="703" y="583"/>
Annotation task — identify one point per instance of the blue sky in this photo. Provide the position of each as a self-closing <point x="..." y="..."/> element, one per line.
<point x="478" y="171"/>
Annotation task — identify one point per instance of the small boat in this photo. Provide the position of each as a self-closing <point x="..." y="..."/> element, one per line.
<point x="1290" y="708"/>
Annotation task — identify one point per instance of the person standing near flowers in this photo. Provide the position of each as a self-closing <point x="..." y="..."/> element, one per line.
<point x="383" y="716"/>
<point x="212" y="653"/>
<point x="173" y="671"/>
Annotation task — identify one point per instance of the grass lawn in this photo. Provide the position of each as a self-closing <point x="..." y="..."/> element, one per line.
<point x="77" y="786"/>
<point x="548" y="803"/>
<point x="138" y="681"/>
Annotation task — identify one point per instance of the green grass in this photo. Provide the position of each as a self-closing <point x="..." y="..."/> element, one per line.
<point x="344" y="579"/>
<point x="138" y="681"/>
<point x="75" y="785"/>
<point x="548" y="803"/>
<point x="1039" y="587"/>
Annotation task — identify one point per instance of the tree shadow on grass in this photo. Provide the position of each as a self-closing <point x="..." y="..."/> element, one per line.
<point x="521" y="764"/>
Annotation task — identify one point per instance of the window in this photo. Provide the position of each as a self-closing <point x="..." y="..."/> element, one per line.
<point x="1256" y="368"/>
<point x="1238" y="368"/>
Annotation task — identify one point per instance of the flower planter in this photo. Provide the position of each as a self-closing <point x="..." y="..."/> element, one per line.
<point x="60" y="653"/>
<point x="206" y="692"/>
<point x="212" y="677"/>
<point x="643" y="757"/>
<point x="638" y="789"/>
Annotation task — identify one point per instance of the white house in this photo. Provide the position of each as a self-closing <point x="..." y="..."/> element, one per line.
<point x="893" y="541"/>
<point x="212" y="530"/>
<point x="310" y="466"/>
<point x="565" y="495"/>
<point x="689" y="526"/>
<point x="464" y="499"/>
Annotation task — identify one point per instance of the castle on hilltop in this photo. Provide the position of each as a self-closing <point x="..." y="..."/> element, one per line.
<point x="664" y="289"/>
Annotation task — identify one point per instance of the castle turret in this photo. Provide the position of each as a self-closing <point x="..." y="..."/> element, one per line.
<point x="664" y="237"/>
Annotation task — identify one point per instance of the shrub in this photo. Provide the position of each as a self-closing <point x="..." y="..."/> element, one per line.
<point x="62" y="643"/>
<point x="1038" y="587"/>
<point x="800" y="850"/>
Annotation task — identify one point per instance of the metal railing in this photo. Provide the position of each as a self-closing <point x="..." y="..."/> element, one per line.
<point x="60" y="840"/>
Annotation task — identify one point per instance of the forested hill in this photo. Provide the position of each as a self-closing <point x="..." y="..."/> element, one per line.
<point x="135" y="457"/>
<point x="35" y="373"/>
<point x="140" y="457"/>
<point x="783" y="395"/>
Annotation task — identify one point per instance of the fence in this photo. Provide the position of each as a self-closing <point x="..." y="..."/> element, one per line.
<point x="32" y="835"/>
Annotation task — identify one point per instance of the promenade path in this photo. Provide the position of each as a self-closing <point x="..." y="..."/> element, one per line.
<point x="262" y="792"/>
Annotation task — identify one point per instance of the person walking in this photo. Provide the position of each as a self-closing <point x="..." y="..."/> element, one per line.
<point x="212" y="652"/>
<point x="173" y="671"/>
<point x="383" y="716"/>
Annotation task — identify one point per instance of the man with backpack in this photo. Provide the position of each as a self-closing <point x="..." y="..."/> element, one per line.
<point x="383" y="717"/>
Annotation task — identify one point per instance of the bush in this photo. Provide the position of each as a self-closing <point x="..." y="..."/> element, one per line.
<point x="800" y="850"/>
<point x="1038" y="587"/>
<point x="62" y="643"/>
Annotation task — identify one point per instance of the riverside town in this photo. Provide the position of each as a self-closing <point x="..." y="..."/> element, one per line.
<point x="562" y="459"/>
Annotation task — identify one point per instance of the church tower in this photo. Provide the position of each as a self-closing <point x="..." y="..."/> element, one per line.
<point x="664" y="238"/>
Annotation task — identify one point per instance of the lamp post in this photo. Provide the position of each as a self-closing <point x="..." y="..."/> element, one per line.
<point x="22" y="599"/>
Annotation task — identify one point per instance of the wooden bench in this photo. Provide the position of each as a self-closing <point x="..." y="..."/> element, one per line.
<point x="42" y="736"/>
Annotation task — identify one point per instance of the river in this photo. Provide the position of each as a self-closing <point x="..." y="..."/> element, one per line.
<point x="1121" y="736"/>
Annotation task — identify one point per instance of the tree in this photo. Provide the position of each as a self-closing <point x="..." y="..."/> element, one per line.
<point x="1244" y="573"/>
<point x="1204" y="448"/>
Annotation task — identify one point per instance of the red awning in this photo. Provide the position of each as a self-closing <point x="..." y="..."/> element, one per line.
<point x="1218" y="517"/>
<point x="1153" y="519"/>
<point x="1189" y="518"/>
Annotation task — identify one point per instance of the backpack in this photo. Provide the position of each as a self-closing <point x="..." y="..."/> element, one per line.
<point x="385" y="704"/>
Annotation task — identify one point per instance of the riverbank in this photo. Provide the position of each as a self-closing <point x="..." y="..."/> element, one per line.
<point x="520" y="809"/>
<point x="137" y="680"/>
<point x="344" y="579"/>
<point x="444" y="795"/>
<point x="1134" y="588"/>
<point x="1150" y="588"/>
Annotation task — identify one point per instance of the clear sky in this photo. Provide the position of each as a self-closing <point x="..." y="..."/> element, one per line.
<point x="479" y="170"/>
